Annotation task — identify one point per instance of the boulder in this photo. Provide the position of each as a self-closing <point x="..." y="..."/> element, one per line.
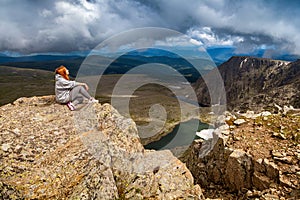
<point x="260" y="181"/>
<point x="265" y="114"/>
<point x="93" y="153"/>
<point x="238" y="170"/>
<point x="272" y="170"/>
<point x="239" y="121"/>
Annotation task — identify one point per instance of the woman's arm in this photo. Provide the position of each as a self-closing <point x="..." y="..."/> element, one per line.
<point x="83" y="84"/>
<point x="62" y="83"/>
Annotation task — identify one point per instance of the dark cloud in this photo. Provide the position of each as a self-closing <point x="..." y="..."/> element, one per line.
<point x="68" y="25"/>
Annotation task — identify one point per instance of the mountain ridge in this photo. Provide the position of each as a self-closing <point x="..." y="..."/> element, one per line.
<point x="256" y="83"/>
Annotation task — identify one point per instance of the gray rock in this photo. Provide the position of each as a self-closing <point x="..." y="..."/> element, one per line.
<point x="220" y="121"/>
<point x="260" y="181"/>
<point x="272" y="170"/>
<point x="239" y="121"/>
<point x="238" y="167"/>
<point x="279" y="135"/>
<point x="16" y="131"/>
<point x="5" y="147"/>
<point x="285" y="181"/>
<point x="259" y="166"/>
<point x="287" y="159"/>
<point x="18" y="149"/>
<point x="277" y="154"/>
<point x="265" y="114"/>
<point x="286" y="109"/>
<point x="249" y="114"/>
<point x="270" y="197"/>
<point x="94" y="153"/>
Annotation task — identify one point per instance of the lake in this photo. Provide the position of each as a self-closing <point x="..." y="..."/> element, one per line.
<point x="183" y="134"/>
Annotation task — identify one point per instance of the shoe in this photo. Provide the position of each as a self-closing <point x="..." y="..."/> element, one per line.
<point x="93" y="100"/>
<point x="71" y="106"/>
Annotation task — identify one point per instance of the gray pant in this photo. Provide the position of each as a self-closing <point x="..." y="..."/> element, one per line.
<point x="78" y="94"/>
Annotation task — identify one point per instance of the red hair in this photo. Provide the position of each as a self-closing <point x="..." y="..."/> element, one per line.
<point x="62" y="70"/>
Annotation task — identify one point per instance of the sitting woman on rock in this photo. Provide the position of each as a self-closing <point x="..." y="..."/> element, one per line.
<point x="70" y="92"/>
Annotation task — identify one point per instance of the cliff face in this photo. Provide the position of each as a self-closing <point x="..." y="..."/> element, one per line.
<point x="256" y="83"/>
<point x="255" y="156"/>
<point x="49" y="152"/>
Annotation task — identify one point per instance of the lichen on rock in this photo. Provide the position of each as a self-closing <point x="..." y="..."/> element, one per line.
<point x="94" y="153"/>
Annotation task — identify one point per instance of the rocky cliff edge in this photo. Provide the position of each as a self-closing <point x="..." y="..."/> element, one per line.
<point x="49" y="152"/>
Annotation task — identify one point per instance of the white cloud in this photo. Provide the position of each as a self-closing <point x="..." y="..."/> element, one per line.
<point x="45" y="13"/>
<point x="178" y="40"/>
<point x="206" y="36"/>
<point x="196" y="42"/>
<point x="66" y="25"/>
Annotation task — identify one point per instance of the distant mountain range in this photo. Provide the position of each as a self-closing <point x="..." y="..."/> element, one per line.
<point x="256" y="83"/>
<point x="249" y="82"/>
<point x="35" y="58"/>
<point x="120" y="65"/>
<point x="217" y="54"/>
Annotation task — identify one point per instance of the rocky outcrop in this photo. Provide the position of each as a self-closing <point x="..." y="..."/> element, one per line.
<point x="49" y="152"/>
<point x="252" y="169"/>
<point x="255" y="83"/>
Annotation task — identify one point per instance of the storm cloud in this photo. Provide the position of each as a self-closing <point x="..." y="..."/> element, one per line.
<point x="33" y="26"/>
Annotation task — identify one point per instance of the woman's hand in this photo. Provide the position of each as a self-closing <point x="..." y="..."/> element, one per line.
<point x="84" y="85"/>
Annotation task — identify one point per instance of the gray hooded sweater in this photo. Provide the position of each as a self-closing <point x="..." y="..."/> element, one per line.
<point x="63" y="88"/>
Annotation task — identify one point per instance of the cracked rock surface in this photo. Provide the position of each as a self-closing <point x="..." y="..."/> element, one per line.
<point x="49" y="152"/>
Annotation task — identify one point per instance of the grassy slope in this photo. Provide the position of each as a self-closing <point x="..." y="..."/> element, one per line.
<point x="18" y="82"/>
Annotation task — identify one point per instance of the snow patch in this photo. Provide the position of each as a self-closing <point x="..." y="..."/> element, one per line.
<point x="205" y="134"/>
<point x="244" y="61"/>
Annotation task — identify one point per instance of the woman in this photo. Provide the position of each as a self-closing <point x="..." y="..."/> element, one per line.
<point x="70" y="92"/>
